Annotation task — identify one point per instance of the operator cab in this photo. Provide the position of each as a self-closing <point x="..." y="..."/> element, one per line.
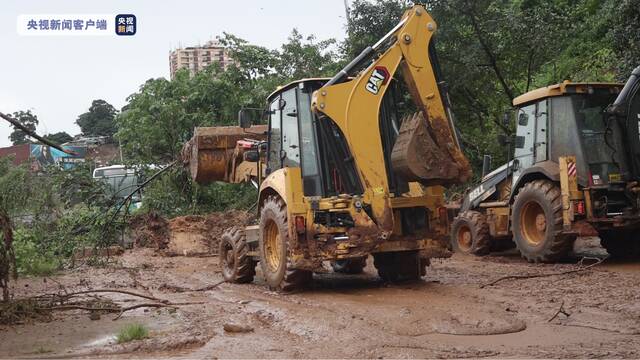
<point x="297" y="139"/>
<point x="571" y="119"/>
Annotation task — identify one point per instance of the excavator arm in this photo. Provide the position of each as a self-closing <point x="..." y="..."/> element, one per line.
<point x="426" y="149"/>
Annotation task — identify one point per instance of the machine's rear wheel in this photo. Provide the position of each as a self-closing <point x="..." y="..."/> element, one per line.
<point x="620" y="244"/>
<point x="237" y="265"/>
<point x="274" y="239"/>
<point x="400" y="266"/>
<point x="537" y="222"/>
<point x="470" y="233"/>
<point x="349" y="266"/>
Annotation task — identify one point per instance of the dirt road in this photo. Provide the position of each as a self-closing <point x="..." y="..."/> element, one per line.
<point x="447" y="315"/>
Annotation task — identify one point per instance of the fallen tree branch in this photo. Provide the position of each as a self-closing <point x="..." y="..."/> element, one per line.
<point x="180" y="289"/>
<point x="27" y="131"/>
<point x="117" y="291"/>
<point x="531" y="276"/>
<point x="78" y="307"/>
<point x="210" y="287"/>
<point x="561" y="310"/>
<point x="132" y="307"/>
<point x="120" y="311"/>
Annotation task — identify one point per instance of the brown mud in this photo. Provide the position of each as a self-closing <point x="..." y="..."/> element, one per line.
<point x="190" y="235"/>
<point x="446" y="315"/>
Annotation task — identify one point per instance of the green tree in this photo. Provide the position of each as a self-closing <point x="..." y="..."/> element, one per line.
<point x="303" y="57"/>
<point x="29" y="120"/>
<point x="99" y="120"/>
<point x="59" y="137"/>
<point x="626" y="36"/>
<point x="368" y="22"/>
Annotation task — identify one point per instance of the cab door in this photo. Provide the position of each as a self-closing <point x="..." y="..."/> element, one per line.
<point x="525" y="136"/>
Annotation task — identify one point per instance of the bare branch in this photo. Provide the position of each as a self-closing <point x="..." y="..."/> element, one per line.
<point x="531" y="276"/>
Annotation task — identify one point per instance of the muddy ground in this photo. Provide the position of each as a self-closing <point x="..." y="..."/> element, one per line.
<point x="447" y="315"/>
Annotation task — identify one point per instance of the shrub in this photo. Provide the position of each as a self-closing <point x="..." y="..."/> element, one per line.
<point x="132" y="332"/>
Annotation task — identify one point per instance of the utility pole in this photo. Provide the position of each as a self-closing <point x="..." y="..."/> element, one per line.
<point x="346" y="8"/>
<point x="346" y="12"/>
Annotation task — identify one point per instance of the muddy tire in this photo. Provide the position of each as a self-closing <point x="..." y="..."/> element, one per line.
<point x="620" y="244"/>
<point x="237" y="266"/>
<point x="349" y="266"/>
<point x="537" y="222"/>
<point x="400" y="266"/>
<point x="274" y="240"/>
<point x="470" y="233"/>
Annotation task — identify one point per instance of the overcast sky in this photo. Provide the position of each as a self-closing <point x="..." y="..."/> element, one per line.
<point x="58" y="77"/>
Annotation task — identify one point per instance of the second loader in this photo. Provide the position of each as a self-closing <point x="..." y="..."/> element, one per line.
<point x="575" y="172"/>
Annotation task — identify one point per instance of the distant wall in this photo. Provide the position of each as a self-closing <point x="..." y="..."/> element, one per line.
<point x="20" y="153"/>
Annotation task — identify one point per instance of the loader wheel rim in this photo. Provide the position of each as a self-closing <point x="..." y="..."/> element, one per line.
<point x="465" y="240"/>
<point x="533" y="223"/>
<point x="273" y="246"/>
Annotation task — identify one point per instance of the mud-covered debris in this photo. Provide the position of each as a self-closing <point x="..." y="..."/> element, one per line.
<point x="190" y="235"/>
<point x="87" y="252"/>
<point x="150" y="230"/>
<point x="218" y="222"/>
<point x="194" y="235"/>
<point x="236" y="328"/>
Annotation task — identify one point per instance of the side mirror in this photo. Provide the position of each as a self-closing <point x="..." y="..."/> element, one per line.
<point x="250" y="116"/>
<point x="520" y="142"/>
<point x="244" y="119"/>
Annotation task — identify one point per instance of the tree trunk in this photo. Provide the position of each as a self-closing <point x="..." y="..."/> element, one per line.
<point x="7" y="256"/>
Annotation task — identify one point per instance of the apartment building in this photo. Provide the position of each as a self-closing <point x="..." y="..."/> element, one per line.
<point x="196" y="58"/>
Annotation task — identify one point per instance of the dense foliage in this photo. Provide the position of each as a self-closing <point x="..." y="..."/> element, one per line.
<point x="59" y="137"/>
<point x="99" y="120"/>
<point x="51" y="213"/>
<point x="28" y="120"/>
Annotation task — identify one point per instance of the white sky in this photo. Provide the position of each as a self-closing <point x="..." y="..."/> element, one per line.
<point x="58" y="77"/>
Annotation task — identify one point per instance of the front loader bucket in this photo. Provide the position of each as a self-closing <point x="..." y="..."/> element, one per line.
<point x="209" y="154"/>
<point x="418" y="156"/>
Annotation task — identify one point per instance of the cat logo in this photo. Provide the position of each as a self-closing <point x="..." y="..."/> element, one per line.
<point x="379" y="77"/>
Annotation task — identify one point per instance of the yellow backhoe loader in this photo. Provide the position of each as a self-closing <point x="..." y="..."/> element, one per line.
<point x="575" y="172"/>
<point x="346" y="167"/>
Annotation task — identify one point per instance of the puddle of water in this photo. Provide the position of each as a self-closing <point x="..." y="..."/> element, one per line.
<point x="101" y="341"/>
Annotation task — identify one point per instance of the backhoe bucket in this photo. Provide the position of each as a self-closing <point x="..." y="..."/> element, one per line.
<point x="417" y="156"/>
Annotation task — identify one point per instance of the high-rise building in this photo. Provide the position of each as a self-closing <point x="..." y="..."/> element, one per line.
<point x="196" y="58"/>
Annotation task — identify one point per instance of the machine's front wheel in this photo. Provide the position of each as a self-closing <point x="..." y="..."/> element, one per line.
<point x="274" y="240"/>
<point x="349" y="266"/>
<point x="620" y="244"/>
<point x="400" y="266"/>
<point x="470" y="233"/>
<point x="237" y="265"/>
<point x="537" y="223"/>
